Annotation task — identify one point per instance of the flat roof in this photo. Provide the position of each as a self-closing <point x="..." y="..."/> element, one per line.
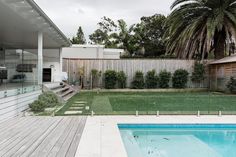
<point x="230" y="59"/>
<point x="87" y="46"/>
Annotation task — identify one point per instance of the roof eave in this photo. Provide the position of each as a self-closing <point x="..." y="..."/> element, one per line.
<point x="41" y="13"/>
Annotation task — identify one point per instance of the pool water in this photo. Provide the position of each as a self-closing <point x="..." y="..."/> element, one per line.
<point x="179" y="140"/>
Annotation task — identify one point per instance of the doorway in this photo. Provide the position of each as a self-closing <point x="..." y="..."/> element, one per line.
<point x="47" y="75"/>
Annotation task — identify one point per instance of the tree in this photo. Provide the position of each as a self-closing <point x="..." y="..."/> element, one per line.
<point x="79" y="39"/>
<point x="150" y="35"/>
<point x="101" y="36"/>
<point x="123" y="37"/>
<point x="197" y="27"/>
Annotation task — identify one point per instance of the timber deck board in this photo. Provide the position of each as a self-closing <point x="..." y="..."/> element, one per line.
<point x="41" y="136"/>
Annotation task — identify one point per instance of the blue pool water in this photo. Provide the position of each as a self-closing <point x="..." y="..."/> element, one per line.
<point x="179" y="140"/>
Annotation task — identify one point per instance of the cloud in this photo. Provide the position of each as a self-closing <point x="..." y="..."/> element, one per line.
<point x="68" y="15"/>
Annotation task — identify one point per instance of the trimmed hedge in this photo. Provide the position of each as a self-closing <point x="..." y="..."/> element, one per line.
<point x="121" y="79"/>
<point x="164" y="79"/>
<point x="110" y="79"/>
<point x="138" y="82"/>
<point x="198" y="72"/>
<point x="231" y="85"/>
<point x="180" y="78"/>
<point x="151" y="79"/>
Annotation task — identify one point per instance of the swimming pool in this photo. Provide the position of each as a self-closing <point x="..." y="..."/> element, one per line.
<point x="208" y="140"/>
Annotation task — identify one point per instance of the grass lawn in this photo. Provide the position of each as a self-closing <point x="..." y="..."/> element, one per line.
<point x="149" y="102"/>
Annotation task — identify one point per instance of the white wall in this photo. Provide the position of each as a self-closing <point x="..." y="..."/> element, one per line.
<point x="82" y="52"/>
<point x="13" y="106"/>
<point x="51" y="59"/>
<point x="91" y="52"/>
<point x="113" y="53"/>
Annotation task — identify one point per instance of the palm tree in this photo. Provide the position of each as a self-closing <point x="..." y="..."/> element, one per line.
<point x="198" y="27"/>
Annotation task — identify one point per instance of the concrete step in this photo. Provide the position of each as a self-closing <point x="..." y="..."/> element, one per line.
<point x="66" y="98"/>
<point x="73" y="112"/>
<point x="61" y="89"/>
<point x="53" y="86"/>
<point x="66" y="93"/>
<point x="81" y="102"/>
<point x="77" y="105"/>
<point x="76" y="108"/>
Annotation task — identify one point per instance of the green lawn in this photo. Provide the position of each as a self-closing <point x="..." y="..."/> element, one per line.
<point x="150" y="103"/>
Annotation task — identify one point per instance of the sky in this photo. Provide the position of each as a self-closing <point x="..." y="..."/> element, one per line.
<point x="68" y="15"/>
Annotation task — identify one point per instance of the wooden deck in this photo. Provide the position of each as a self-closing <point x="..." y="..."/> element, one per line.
<point x="41" y="136"/>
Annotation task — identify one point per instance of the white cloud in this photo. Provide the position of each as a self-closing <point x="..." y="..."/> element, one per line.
<point x="68" y="15"/>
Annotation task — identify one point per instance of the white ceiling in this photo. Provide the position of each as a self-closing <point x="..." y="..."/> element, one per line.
<point x="20" y="22"/>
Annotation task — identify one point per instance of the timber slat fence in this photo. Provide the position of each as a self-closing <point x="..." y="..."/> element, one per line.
<point x="129" y="66"/>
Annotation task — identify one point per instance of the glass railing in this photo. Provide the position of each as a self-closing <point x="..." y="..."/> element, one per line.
<point x="159" y="103"/>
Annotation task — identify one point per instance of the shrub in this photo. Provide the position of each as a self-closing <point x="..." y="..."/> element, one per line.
<point x="110" y="79"/>
<point x="95" y="74"/>
<point x="164" y="79"/>
<point x="47" y="99"/>
<point x="198" y="72"/>
<point x="121" y="79"/>
<point x="138" y="82"/>
<point x="37" y="106"/>
<point x="151" y="79"/>
<point x="231" y="85"/>
<point x="180" y="78"/>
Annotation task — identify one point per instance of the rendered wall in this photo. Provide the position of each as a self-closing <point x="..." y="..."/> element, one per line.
<point x="82" y="53"/>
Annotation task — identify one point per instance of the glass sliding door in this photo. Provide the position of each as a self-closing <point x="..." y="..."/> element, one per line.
<point x="18" y="72"/>
<point x="15" y="78"/>
<point x="3" y="73"/>
<point x="29" y="69"/>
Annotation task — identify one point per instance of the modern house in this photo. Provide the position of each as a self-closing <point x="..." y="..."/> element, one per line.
<point x="91" y="52"/>
<point x="221" y="71"/>
<point x="30" y="54"/>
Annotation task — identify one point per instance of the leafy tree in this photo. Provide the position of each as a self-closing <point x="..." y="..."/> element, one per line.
<point x="114" y="35"/>
<point x="103" y="34"/>
<point x="79" y="38"/>
<point x="150" y="35"/>
<point x="99" y="37"/>
<point x="197" y="27"/>
<point x="123" y="38"/>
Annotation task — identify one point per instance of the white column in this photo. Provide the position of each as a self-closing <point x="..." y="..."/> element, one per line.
<point x="61" y="62"/>
<point x="40" y="59"/>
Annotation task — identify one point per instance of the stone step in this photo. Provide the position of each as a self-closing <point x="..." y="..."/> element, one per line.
<point x="80" y="102"/>
<point x="77" y="105"/>
<point x="76" y="108"/>
<point x="66" y="98"/>
<point x="66" y="93"/>
<point x="61" y="90"/>
<point x="73" y="112"/>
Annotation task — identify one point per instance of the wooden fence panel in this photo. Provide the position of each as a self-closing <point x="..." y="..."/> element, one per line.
<point x="129" y="66"/>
